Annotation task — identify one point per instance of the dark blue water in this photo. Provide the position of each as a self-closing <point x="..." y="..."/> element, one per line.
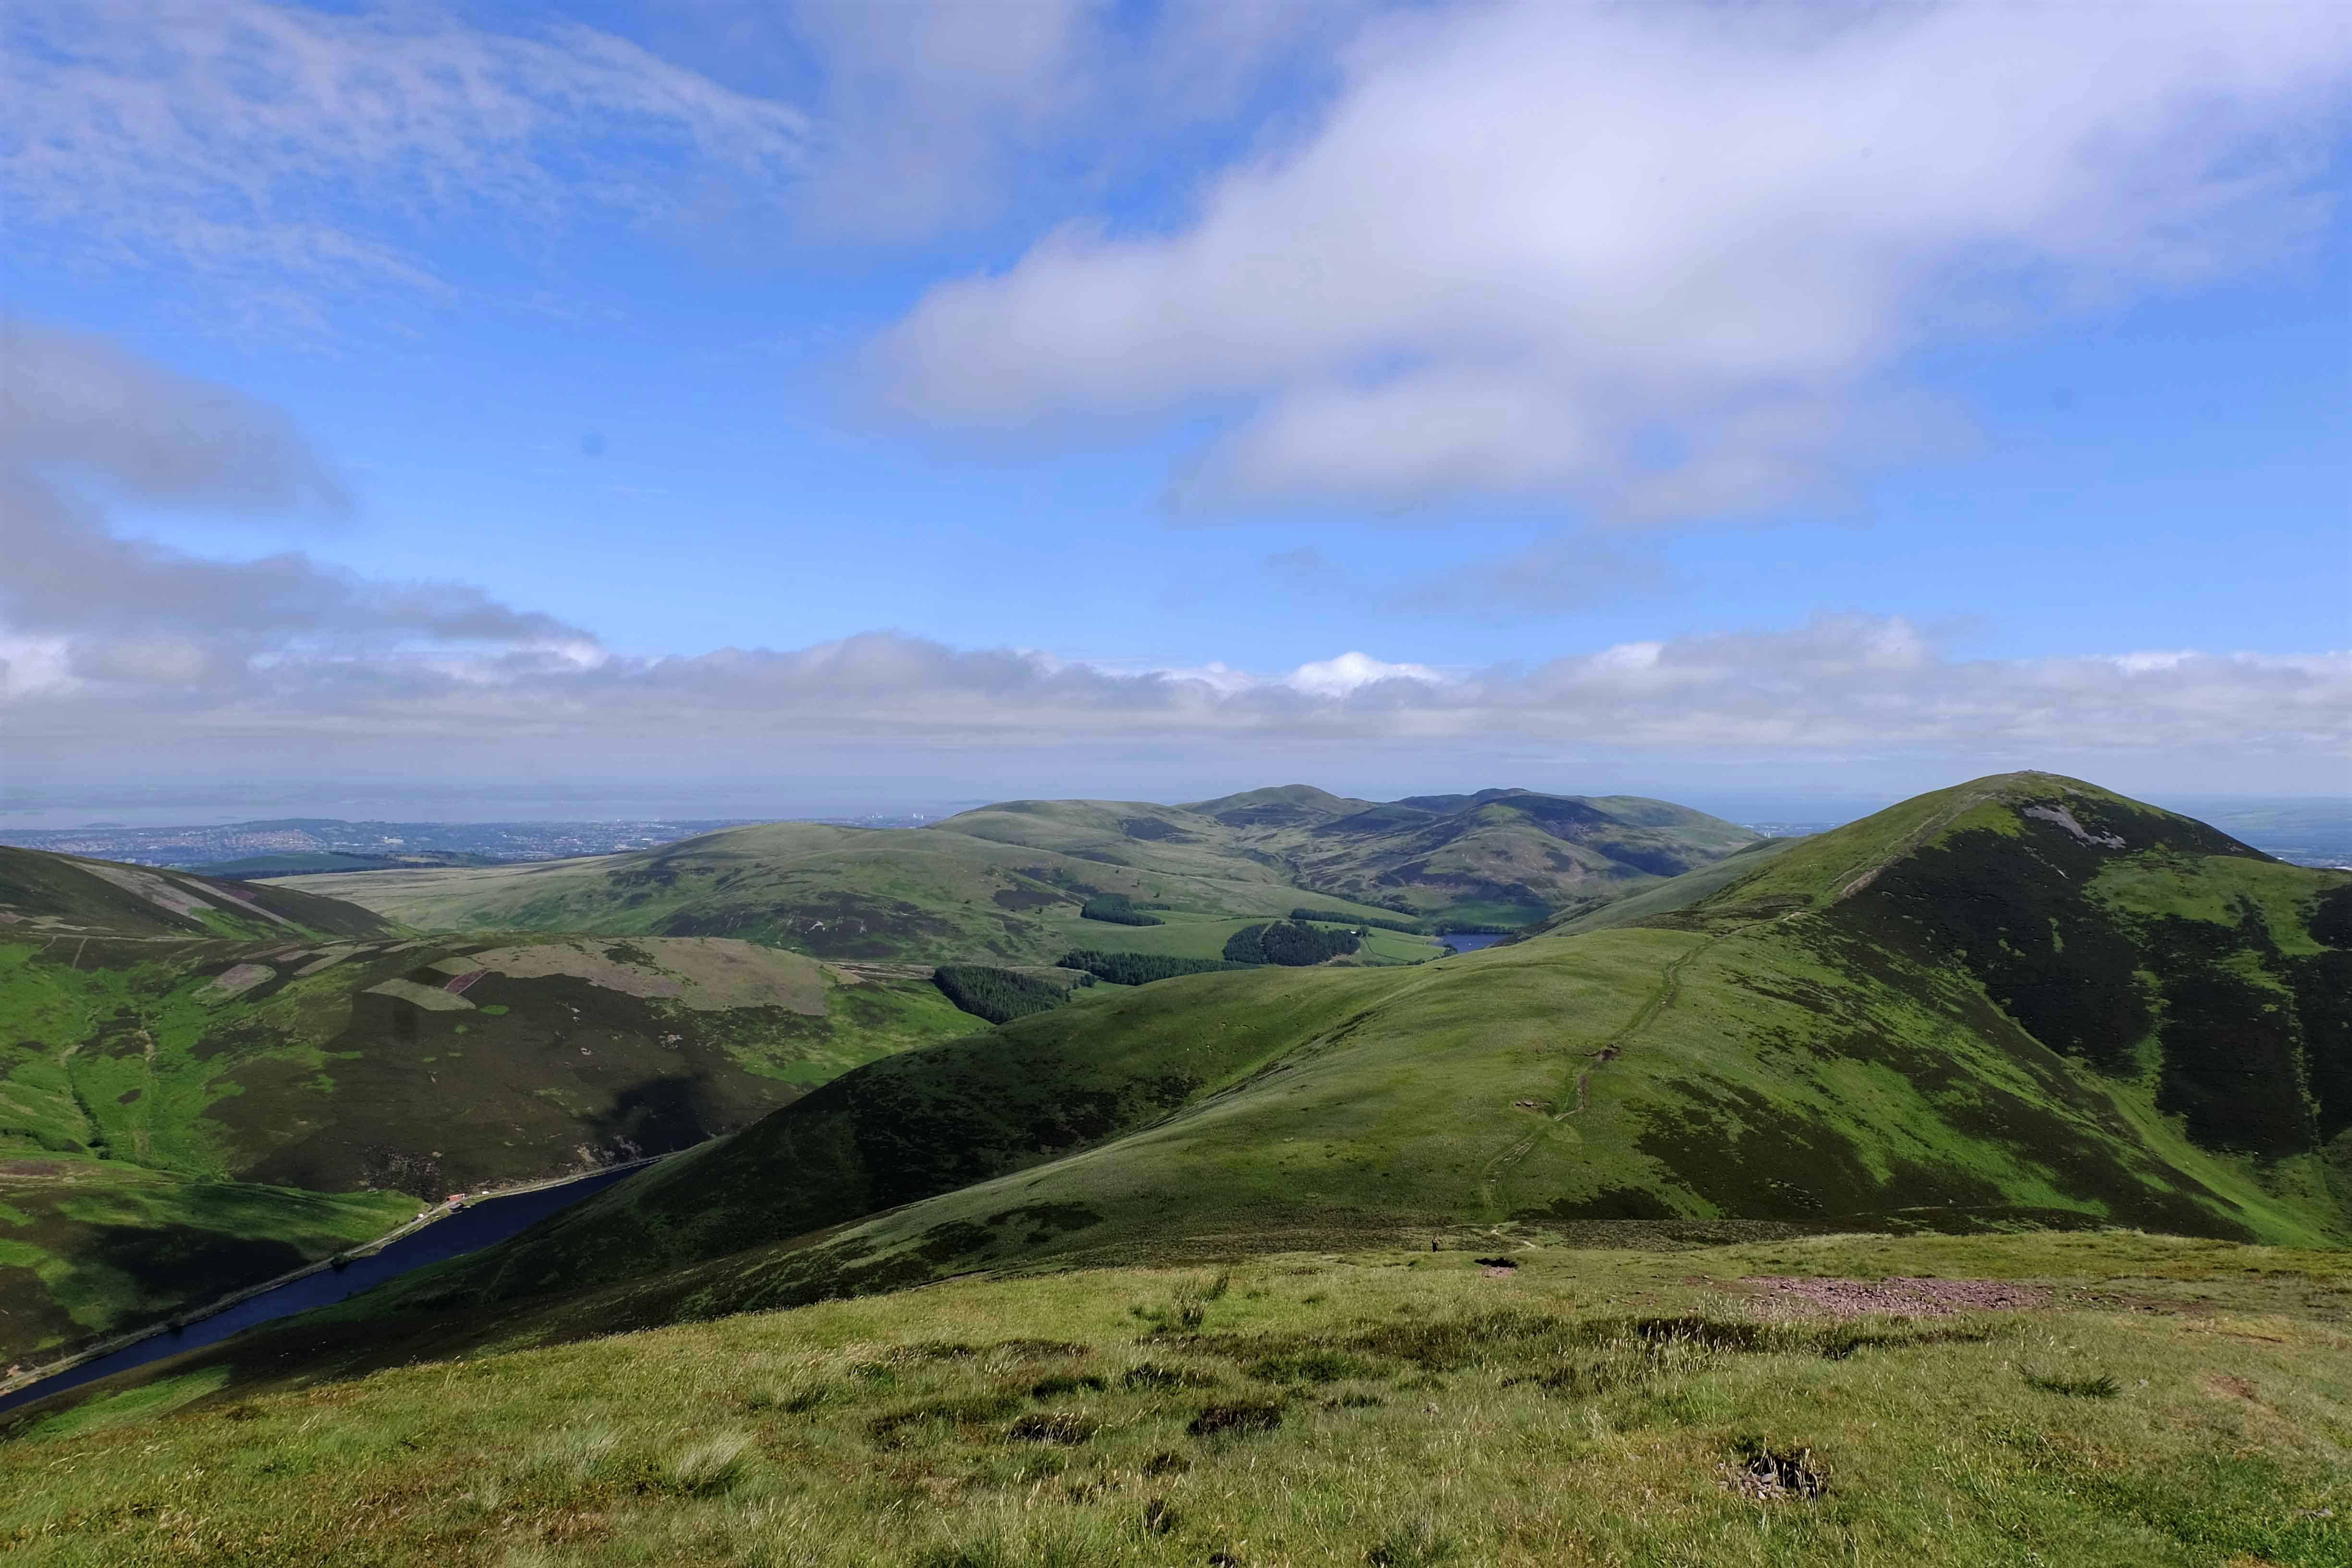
<point x="452" y="1235"/>
<point x="1471" y="941"/>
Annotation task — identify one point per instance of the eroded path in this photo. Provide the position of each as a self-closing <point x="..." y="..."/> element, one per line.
<point x="1669" y="992"/>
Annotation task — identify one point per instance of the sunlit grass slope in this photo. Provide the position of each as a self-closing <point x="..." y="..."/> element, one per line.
<point x="1660" y="898"/>
<point x="2154" y="1404"/>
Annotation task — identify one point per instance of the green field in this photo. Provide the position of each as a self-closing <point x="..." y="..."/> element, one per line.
<point x="2128" y="1402"/>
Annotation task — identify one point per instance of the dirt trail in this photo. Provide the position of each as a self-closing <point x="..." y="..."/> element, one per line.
<point x="1669" y="992"/>
<point x="1914" y="839"/>
<point x="1669" y="986"/>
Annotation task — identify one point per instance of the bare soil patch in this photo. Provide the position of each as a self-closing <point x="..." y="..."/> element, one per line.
<point x="2227" y="1386"/>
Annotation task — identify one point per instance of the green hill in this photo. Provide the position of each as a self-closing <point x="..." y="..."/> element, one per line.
<point x="831" y="892"/>
<point x="53" y="896"/>
<point x="1502" y="855"/>
<point x="177" y="1110"/>
<point x="2021" y="1002"/>
<point x="1284" y="805"/>
<point x="1659" y="897"/>
<point x="1006" y="883"/>
<point x="1556" y="1252"/>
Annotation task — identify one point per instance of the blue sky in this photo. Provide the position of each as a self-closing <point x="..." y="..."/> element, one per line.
<point x="1045" y="398"/>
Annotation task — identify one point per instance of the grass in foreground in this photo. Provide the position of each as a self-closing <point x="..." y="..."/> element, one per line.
<point x="2157" y="1402"/>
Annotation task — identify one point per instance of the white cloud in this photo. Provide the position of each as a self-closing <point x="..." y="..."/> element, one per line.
<point x="1831" y="687"/>
<point x="291" y="151"/>
<point x="1351" y="672"/>
<point x="85" y="609"/>
<point x="1528" y="240"/>
<point x="294" y="157"/>
<point x="111" y="646"/>
<point x="933" y="114"/>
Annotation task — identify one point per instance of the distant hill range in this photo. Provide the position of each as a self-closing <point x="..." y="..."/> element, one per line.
<point x="2025" y="1001"/>
<point x="1008" y="881"/>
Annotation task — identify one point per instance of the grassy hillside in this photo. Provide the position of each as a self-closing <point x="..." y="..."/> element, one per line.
<point x="1507" y="856"/>
<point x="178" y="1112"/>
<point x="2109" y="1401"/>
<point x="1006" y="883"/>
<point x="1882" y="1027"/>
<point x="52" y="897"/>
<point x="831" y="892"/>
<point x="1607" y="913"/>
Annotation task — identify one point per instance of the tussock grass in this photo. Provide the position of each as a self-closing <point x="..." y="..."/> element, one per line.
<point x="1594" y="1407"/>
<point x="2101" y="1386"/>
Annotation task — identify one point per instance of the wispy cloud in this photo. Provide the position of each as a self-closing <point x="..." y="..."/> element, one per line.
<point x="293" y="154"/>
<point x="936" y="114"/>
<point x="1529" y="243"/>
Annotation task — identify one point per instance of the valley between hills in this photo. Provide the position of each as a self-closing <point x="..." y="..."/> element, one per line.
<point x="1108" y="1181"/>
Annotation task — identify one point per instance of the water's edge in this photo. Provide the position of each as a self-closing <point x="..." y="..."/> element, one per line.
<point x="480" y="1223"/>
<point x="1469" y="941"/>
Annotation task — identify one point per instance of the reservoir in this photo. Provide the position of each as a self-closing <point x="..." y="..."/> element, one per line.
<point x="1471" y="941"/>
<point x="468" y="1230"/>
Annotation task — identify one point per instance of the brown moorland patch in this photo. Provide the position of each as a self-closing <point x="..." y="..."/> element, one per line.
<point x="1911" y="1298"/>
